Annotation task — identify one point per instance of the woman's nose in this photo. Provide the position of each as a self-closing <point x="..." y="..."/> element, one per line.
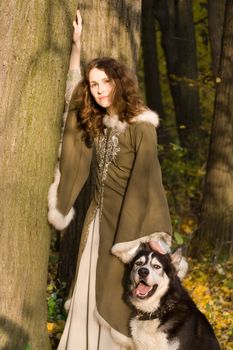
<point x="100" y="89"/>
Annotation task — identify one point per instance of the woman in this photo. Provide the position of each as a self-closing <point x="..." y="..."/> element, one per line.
<point x="106" y="119"/>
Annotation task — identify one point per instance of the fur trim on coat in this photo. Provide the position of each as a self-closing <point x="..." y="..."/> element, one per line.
<point x="126" y="251"/>
<point x="147" y="116"/>
<point x="55" y="217"/>
<point x="118" y="337"/>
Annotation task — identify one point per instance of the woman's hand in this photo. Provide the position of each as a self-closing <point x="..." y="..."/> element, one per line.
<point x="159" y="246"/>
<point x="77" y="25"/>
<point x="76" y="47"/>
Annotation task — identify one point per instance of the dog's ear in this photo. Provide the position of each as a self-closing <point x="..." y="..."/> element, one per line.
<point x="141" y="247"/>
<point x="134" y="252"/>
<point x="180" y="263"/>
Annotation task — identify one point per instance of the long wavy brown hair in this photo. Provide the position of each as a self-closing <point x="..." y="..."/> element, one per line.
<point x="126" y="100"/>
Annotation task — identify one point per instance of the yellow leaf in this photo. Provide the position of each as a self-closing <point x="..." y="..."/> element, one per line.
<point x="50" y="327"/>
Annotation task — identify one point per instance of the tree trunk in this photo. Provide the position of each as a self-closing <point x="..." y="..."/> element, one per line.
<point x="35" y="42"/>
<point x="178" y="41"/>
<point x="216" y="223"/>
<point x="216" y="11"/>
<point x="151" y="66"/>
<point x="110" y="28"/>
<point x="150" y="58"/>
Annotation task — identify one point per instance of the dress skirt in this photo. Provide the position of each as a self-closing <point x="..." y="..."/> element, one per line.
<point x="82" y="330"/>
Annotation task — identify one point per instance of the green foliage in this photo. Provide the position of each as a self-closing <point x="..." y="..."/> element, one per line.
<point x="56" y="289"/>
<point x="55" y="292"/>
<point x="56" y="295"/>
<point x="183" y="179"/>
<point x="179" y="171"/>
<point x="28" y="347"/>
<point x="179" y="238"/>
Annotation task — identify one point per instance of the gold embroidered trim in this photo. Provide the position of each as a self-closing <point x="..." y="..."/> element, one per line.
<point x="107" y="149"/>
<point x="93" y="210"/>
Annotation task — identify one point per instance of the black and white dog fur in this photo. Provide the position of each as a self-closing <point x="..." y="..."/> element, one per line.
<point x="164" y="316"/>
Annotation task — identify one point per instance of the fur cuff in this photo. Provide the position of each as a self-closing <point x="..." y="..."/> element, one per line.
<point x="126" y="251"/>
<point x="55" y="217"/>
<point x="67" y="305"/>
<point x="118" y="337"/>
<point x="182" y="268"/>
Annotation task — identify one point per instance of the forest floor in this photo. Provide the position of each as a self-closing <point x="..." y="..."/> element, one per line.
<point x="209" y="284"/>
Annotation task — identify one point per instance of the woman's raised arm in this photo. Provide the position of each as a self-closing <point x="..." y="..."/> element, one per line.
<point x="74" y="73"/>
<point x="76" y="44"/>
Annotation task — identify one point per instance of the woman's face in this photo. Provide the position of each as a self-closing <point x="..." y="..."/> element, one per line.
<point x="101" y="87"/>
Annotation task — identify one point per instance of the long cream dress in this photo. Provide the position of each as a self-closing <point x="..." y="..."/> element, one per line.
<point x="82" y="330"/>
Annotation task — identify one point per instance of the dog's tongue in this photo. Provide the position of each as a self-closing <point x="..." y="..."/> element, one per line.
<point x="142" y="289"/>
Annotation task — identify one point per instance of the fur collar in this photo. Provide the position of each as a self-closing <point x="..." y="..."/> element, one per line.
<point x="113" y="121"/>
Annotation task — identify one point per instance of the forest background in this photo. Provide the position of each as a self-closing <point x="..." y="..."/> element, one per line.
<point x="182" y="52"/>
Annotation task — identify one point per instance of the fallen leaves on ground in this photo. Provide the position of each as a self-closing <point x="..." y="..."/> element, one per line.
<point x="55" y="330"/>
<point x="211" y="287"/>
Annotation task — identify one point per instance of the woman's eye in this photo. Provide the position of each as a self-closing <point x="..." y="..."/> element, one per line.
<point x="157" y="267"/>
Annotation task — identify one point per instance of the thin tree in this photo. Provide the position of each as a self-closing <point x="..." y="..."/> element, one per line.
<point x="179" y="44"/>
<point x="216" y="222"/>
<point x="216" y="11"/>
<point x="151" y="66"/>
<point x="150" y="58"/>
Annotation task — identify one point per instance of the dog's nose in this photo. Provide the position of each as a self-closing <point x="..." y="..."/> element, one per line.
<point x="143" y="272"/>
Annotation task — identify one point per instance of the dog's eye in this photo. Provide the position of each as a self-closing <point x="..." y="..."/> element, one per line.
<point x="139" y="263"/>
<point x="156" y="266"/>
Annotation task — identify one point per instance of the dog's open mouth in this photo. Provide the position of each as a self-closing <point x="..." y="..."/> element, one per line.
<point x="142" y="290"/>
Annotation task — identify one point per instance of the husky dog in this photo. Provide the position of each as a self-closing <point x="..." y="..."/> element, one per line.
<point x="164" y="315"/>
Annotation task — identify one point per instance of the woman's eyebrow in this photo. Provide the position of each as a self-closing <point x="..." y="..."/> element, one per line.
<point x="94" y="81"/>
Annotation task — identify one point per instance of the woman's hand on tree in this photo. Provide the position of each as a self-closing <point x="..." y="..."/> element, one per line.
<point x="76" y="47"/>
<point x="77" y="32"/>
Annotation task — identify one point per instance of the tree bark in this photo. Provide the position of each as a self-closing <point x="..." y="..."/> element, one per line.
<point x="216" y="223"/>
<point x="178" y="41"/>
<point x="35" y="41"/>
<point x="151" y="66"/>
<point x="216" y="11"/>
<point x="110" y="28"/>
<point x="150" y="58"/>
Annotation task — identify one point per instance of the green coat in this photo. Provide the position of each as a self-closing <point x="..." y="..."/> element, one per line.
<point x="129" y="194"/>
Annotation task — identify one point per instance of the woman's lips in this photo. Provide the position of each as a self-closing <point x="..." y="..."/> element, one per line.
<point x="103" y="97"/>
